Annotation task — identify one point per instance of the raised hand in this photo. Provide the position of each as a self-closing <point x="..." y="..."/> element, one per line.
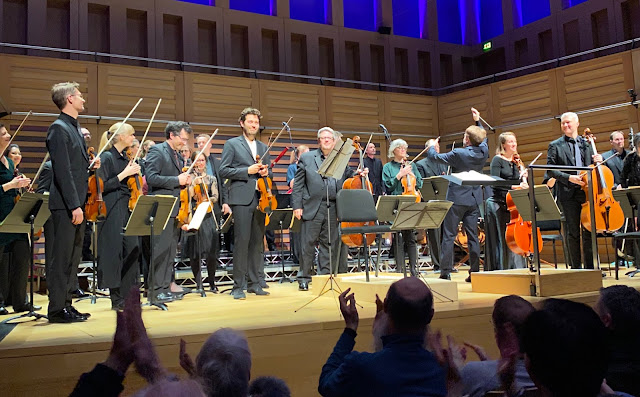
<point x="348" y="309"/>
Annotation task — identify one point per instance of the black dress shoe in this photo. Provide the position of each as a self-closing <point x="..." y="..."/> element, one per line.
<point x="3" y="311"/>
<point x="257" y="291"/>
<point x="117" y="306"/>
<point x="303" y="286"/>
<point x="264" y="285"/>
<point x="444" y="276"/>
<point x="65" y="316"/>
<point x="214" y="289"/>
<point x="468" y="279"/>
<point x="27" y="308"/>
<point x="165" y="297"/>
<point x="75" y="311"/>
<point x="78" y="293"/>
<point x="238" y="294"/>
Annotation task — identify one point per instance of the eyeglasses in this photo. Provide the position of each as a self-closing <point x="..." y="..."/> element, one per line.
<point x="326" y="138"/>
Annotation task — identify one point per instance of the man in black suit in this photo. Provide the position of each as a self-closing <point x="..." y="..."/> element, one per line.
<point x="164" y="176"/>
<point x="69" y="162"/>
<point x="219" y="208"/>
<point x="429" y="168"/>
<point x="240" y="167"/>
<point x="615" y="163"/>
<point x="374" y="165"/>
<point x="309" y="203"/>
<point x="573" y="150"/>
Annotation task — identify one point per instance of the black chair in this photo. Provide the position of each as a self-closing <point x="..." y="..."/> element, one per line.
<point x="356" y="206"/>
<point x="548" y="226"/>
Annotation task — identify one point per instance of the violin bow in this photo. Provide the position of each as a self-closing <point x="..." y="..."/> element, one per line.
<point x="20" y="127"/>
<point x="114" y="134"/>
<point x="153" y="116"/>
<point x="271" y="143"/>
<point x="35" y="178"/>
<point x="205" y="145"/>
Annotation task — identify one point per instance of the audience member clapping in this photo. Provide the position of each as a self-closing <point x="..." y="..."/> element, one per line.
<point x="403" y="367"/>
<point x="269" y="386"/>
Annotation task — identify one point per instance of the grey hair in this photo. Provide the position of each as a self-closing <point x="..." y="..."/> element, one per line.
<point x="569" y="114"/>
<point x="396" y="144"/>
<point x="336" y="134"/>
<point x="224" y="364"/>
<point x="636" y="140"/>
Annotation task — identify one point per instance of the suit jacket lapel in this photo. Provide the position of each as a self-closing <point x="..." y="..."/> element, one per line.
<point x="170" y="152"/>
<point x="567" y="152"/>
<point x="244" y="143"/>
<point x="318" y="159"/>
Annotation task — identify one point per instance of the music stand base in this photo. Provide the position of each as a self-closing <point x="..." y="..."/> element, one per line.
<point x="284" y="279"/>
<point x="37" y="316"/>
<point x="94" y="297"/>
<point x="159" y="305"/>
<point x="331" y="279"/>
<point x="632" y="273"/>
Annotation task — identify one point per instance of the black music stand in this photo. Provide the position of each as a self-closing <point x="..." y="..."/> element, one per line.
<point x="148" y="211"/>
<point x="93" y="296"/>
<point x="278" y="219"/>
<point x="192" y="230"/>
<point x="387" y="208"/>
<point x="434" y="188"/>
<point x="29" y="213"/>
<point x="333" y="166"/>
<point x="629" y="199"/>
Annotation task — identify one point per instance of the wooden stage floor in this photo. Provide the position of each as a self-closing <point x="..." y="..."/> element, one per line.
<point x="38" y="358"/>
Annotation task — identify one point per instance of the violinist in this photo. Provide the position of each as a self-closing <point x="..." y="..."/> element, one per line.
<point x="202" y="244"/>
<point x="117" y="254"/>
<point x="12" y="289"/>
<point x="466" y="199"/>
<point x="69" y="163"/>
<point x="395" y="174"/>
<point x="573" y="150"/>
<point x="309" y="203"/>
<point x="163" y="171"/>
<point x="507" y="165"/>
<point x="240" y="167"/>
<point x="13" y="152"/>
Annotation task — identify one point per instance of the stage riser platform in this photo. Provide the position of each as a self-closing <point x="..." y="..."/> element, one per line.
<point x="552" y="282"/>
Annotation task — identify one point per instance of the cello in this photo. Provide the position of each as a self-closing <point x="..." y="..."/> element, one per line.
<point x="95" y="208"/>
<point x="519" y="234"/>
<point x="608" y="213"/>
<point x="358" y="182"/>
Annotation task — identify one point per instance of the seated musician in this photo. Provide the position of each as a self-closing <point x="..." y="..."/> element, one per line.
<point x="394" y="175"/>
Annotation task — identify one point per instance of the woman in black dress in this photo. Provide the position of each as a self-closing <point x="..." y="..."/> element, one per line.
<point x="198" y="244"/>
<point x="13" y="281"/>
<point x="117" y="254"/>
<point x="504" y="164"/>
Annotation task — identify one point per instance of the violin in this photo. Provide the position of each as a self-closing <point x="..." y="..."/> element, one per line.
<point x="201" y="194"/>
<point x="608" y="213"/>
<point x="95" y="208"/>
<point x="134" y="183"/>
<point x="358" y="182"/>
<point x="519" y="234"/>
<point x="267" y="202"/>
<point x="184" y="214"/>
<point x="409" y="184"/>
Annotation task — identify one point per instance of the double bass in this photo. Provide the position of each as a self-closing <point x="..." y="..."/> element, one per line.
<point x="358" y="182"/>
<point x="608" y="213"/>
<point x="519" y="234"/>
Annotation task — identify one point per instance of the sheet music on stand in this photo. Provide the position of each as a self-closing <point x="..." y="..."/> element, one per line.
<point x="337" y="161"/>
<point x="427" y="215"/>
<point x="198" y="217"/>
<point x="434" y="188"/>
<point x="474" y="178"/>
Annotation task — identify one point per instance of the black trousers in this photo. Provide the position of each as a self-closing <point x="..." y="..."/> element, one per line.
<point x="498" y="255"/>
<point x="65" y="259"/>
<point x="469" y="215"/>
<point x="14" y="273"/>
<point x="248" y="244"/>
<point x="315" y="231"/>
<point x="165" y="245"/>
<point x="409" y="246"/>
<point x="434" y="236"/>
<point x="571" y="209"/>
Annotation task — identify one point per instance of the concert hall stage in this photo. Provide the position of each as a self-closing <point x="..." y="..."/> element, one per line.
<point x="44" y="359"/>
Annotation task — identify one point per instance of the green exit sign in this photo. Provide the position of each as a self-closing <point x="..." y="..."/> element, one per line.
<point x="487" y="46"/>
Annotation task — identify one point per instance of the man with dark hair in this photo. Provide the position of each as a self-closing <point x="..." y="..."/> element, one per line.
<point x="566" y="349"/>
<point x="68" y="194"/>
<point x="403" y="367"/>
<point x="619" y="310"/>
<point x="269" y="386"/>
<point x="164" y="176"/>
<point x="479" y="377"/>
<point x="240" y="166"/>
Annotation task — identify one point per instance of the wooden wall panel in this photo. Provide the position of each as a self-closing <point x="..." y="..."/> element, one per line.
<point x="217" y="99"/>
<point x="411" y="114"/>
<point x="354" y="110"/>
<point x="120" y="87"/>
<point x="303" y="102"/>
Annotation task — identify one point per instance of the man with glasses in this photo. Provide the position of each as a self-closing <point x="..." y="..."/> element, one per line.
<point x="67" y="197"/>
<point x="309" y="203"/>
<point x="164" y="176"/>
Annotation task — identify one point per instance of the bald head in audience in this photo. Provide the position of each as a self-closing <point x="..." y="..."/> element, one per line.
<point x="409" y="306"/>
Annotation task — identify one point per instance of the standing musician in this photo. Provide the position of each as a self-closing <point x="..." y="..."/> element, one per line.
<point x="572" y="150"/>
<point x="294" y="238"/>
<point x="392" y="175"/>
<point x="117" y="254"/>
<point x="240" y="166"/>
<point x="13" y="152"/>
<point x="374" y="165"/>
<point x="309" y="203"/>
<point x="615" y="164"/>
<point x="164" y="176"/>
<point x="12" y="288"/>
<point x="69" y="162"/>
<point x="507" y="165"/>
<point x="429" y="168"/>
<point x="630" y="176"/>
<point x="466" y="199"/>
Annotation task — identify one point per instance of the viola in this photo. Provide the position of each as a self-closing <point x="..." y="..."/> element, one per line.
<point x="608" y="213"/>
<point x="519" y="234"/>
<point x="95" y="208"/>
<point x="358" y="182"/>
<point x="134" y="183"/>
<point x="267" y="202"/>
<point x="409" y="184"/>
